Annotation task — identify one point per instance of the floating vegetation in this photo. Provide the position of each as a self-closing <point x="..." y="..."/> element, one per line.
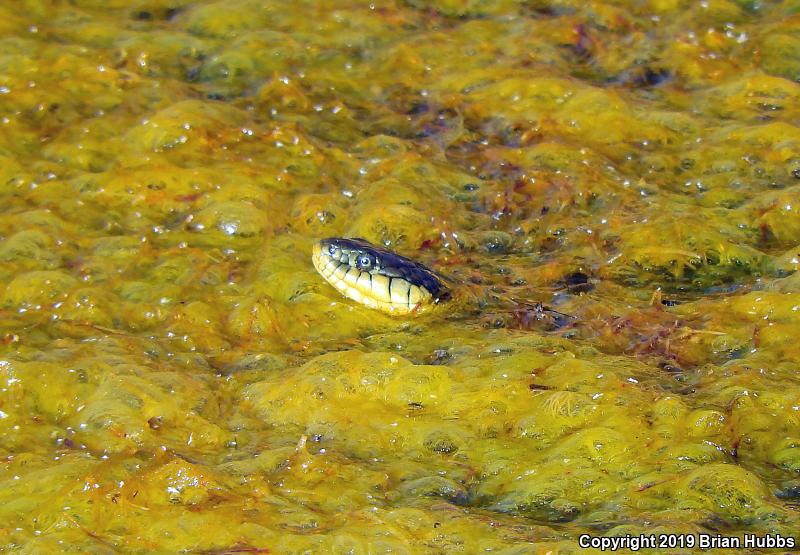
<point x="175" y="376"/>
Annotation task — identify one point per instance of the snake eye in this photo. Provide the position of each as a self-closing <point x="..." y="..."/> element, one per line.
<point x="364" y="262"/>
<point x="332" y="249"/>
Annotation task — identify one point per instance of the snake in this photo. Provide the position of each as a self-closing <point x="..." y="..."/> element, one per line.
<point x="377" y="277"/>
<point x="381" y="279"/>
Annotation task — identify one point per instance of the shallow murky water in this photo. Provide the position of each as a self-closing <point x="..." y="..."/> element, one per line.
<point x="175" y="377"/>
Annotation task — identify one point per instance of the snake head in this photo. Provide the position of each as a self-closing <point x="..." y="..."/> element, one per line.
<point x="377" y="277"/>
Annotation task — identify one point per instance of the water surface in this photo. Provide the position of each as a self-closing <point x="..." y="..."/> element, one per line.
<point x="177" y="378"/>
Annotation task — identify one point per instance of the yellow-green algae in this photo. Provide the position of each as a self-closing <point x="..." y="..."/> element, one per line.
<point x="176" y="378"/>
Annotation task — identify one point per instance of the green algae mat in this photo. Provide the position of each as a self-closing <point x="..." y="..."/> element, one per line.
<point x="176" y="378"/>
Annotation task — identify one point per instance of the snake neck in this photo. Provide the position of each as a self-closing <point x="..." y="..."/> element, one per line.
<point x="497" y="309"/>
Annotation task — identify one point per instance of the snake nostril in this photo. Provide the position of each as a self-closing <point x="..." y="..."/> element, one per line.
<point x="332" y="249"/>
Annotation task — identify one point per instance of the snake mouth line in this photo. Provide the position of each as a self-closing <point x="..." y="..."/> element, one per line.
<point x="376" y="277"/>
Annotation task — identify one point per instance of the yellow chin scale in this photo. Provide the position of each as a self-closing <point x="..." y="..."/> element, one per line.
<point x="394" y="295"/>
